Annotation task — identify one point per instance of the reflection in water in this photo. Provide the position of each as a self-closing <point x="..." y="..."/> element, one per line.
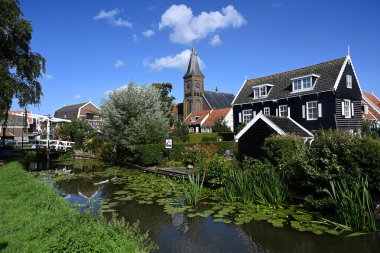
<point x="178" y="233"/>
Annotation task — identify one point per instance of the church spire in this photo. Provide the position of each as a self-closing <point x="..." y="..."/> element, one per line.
<point x="193" y="68"/>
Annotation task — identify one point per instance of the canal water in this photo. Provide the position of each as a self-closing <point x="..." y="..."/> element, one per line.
<point x="179" y="233"/>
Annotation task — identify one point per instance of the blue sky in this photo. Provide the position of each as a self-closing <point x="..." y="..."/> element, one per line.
<point x="93" y="46"/>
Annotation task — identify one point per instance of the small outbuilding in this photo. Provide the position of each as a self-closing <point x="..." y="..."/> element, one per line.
<point x="251" y="138"/>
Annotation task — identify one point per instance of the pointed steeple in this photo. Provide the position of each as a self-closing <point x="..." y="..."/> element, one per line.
<point x="193" y="68"/>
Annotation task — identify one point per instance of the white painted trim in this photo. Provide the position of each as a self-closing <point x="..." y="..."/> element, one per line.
<point x="348" y="58"/>
<point x="320" y="110"/>
<point x="307" y="110"/>
<point x="299" y="77"/>
<point x="300" y="126"/>
<point x="369" y="101"/>
<point x="233" y="101"/>
<point x="285" y="98"/>
<point x="206" y="117"/>
<point x="80" y="108"/>
<point x="303" y="111"/>
<point x="265" y="119"/>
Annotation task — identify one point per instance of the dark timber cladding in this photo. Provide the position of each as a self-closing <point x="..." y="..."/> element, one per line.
<point x="251" y="138"/>
<point x="333" y="100"/>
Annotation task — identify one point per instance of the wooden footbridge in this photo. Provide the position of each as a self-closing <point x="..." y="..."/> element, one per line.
<point x="40" y="145"/>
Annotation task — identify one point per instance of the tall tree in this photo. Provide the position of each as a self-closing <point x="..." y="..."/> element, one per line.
<point x="20" y="68"/>
<point x="134" y="115"/>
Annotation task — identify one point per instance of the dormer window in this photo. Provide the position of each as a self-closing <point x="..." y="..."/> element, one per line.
<point x="194" y="119"/>
<point x="261" y="91"/>
<point x="303" y="83"/>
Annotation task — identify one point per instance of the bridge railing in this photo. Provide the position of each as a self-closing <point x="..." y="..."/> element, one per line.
<point x="57" y="145"/>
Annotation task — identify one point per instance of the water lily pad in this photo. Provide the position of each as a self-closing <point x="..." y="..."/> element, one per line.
<point x="278" y="223"/>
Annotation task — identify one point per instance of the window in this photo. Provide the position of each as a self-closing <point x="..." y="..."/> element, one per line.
<point x="261" y="90"/>
<point x="194" y="118"/>
<point x="347" y="108"/>
<point x="191" y="130"/>
<point x="312" y="110"/>
<point x="89" y="115"/>
<point x="365" y="109"/>
<point x="283" y="110"/>
<point x="266" y="110"/>
<point x="349" y="81"/>
<point x="247" y="116"/>
<point x="303" y="83"/>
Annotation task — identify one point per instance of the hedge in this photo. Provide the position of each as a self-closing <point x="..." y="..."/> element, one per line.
<point x="153" y="154"/>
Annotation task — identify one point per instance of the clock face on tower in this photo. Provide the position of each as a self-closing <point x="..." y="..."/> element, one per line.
<point x="198" y="85"/>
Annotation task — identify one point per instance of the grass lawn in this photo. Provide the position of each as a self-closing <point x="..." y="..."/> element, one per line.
<point x="33" y="218"/>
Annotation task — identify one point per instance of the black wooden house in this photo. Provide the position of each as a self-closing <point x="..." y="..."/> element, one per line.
<point x="321" y="96"/>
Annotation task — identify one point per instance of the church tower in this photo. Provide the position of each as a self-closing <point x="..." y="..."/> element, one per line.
<point x="193" y="81"/>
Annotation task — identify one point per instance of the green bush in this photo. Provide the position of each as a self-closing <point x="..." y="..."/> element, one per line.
<point x="210" y="138"/>
<point x="153" y="154"/>
<point x="217" y="169"/>
<point x="198" y="154"/>
<point x="202" y="137"/>
<point x="149" y="154"/>
<point x="367" y="155"/>
<point x="288" y="154"/>
<point x="106" y="150"/>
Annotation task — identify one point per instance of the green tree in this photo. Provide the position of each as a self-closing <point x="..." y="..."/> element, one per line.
<point x="180" y="131"/>
<point x="134" y="115"/>
<point x="77" y="130"/>
<point x="165" y="89"/>
<point x="20" y="68"/>
<point x="221" y="127"/>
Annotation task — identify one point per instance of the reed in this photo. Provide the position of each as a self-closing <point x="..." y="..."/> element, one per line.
<point x="192" y="190"/>
<point x="269" y="187"/>
<point x="239" y="186"/>
<point x="354" y="204"/>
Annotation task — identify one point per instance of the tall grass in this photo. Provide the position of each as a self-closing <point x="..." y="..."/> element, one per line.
<point x="354" y="204"/>
<point x="239" y="186"/>
<point x="35" y="219"/>
<point x="269" y="187"/>
<point x="192" y="190"/>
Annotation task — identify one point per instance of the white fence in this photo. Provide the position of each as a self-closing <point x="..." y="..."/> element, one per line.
<point x="57" y="145"/>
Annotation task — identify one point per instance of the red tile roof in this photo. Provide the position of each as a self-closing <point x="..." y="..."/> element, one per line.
<point x="216" y="115"/>
<point x="30" y="120"/>
<point x="372" y="98"/>
<point x="373" y="106"/>
<point x="201" y="115"/>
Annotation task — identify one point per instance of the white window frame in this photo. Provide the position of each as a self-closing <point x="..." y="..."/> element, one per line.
<point x="283" y="111"/>
<point x="247" y="115"/>
<point x="261" y="91"/>
<point x="349" y="81"/>
<point x="299" y="83"/>
<point x="347" y="108"/>
<point x="312" y="110"/>
<point x="266" y="110"/>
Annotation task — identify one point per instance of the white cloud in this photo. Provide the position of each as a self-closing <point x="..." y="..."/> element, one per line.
<point x="119" y="64"/>
<point x="179" y="61"/>
<point x="47" y="76"/>
<point x="135" y="38"/>
<point x="107" y="14"/>
<point x="186" y="27"/>
<point x="215" y="41"/>
<point x="111" y="17"/>
<point x="148" y="33"/>
<point x="77" y="96"/>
